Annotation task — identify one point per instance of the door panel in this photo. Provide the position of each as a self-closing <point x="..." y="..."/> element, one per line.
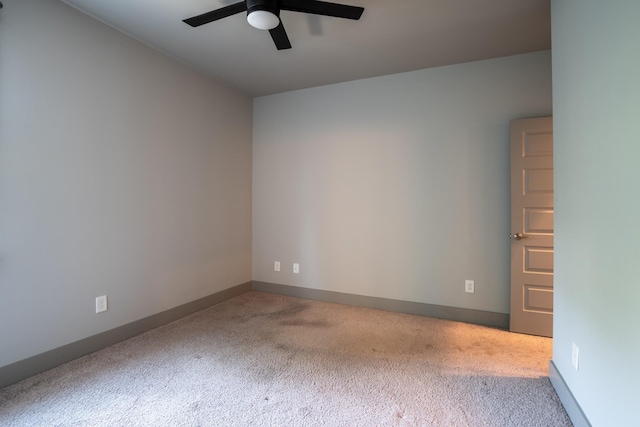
<point x="538" y="181"/>
<point x="532" y="226"/>
<point x="538" y="260"/>
<point x="538" y="221"/>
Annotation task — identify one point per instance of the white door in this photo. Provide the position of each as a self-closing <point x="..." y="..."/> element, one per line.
<point x="532" y="226"/>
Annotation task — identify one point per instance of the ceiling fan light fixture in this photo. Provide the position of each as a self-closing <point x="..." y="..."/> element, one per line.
<point x="263" y="19"/>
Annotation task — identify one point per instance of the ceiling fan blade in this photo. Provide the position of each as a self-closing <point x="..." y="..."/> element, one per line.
<point x="323" y="8"/>
<point x="279" y="36"/>
<point x="214" y="15"/>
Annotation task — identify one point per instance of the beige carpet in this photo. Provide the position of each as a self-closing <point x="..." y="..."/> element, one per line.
<point x="268" y="360"/>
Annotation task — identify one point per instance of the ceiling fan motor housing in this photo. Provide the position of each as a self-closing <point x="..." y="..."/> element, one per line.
<point x="272" y="6"/>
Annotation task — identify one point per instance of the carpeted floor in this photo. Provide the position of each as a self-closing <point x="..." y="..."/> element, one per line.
<point x="268" y="360"/>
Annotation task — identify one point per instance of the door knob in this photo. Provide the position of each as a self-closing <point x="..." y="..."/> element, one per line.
<point x="519" y="236"/>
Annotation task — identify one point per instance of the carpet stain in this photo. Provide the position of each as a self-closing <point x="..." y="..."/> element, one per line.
<point x="306" y="323"/>
<point x="289" y="310"/>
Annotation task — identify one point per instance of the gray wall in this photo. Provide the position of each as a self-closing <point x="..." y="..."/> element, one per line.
<point x="596" y="93"/>
<point x="122" y="172"/>
<point x="397" y="186"/>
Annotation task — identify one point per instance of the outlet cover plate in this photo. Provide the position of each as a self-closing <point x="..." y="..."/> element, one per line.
<point x="101" y="304"/>
<point x="469" y="286"/>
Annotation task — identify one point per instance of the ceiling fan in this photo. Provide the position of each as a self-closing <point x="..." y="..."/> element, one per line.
<point x="265" y="15"/>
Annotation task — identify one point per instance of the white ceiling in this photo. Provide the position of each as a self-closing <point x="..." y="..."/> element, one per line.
<point x="392" y="36"/>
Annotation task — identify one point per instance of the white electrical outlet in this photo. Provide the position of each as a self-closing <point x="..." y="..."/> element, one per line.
<point x="296" y="268"/>
<point x="276" y="266"/>
<point x="575" y="356"/>
<point x="101" y="304"/>
<point x="469" y="286"/>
